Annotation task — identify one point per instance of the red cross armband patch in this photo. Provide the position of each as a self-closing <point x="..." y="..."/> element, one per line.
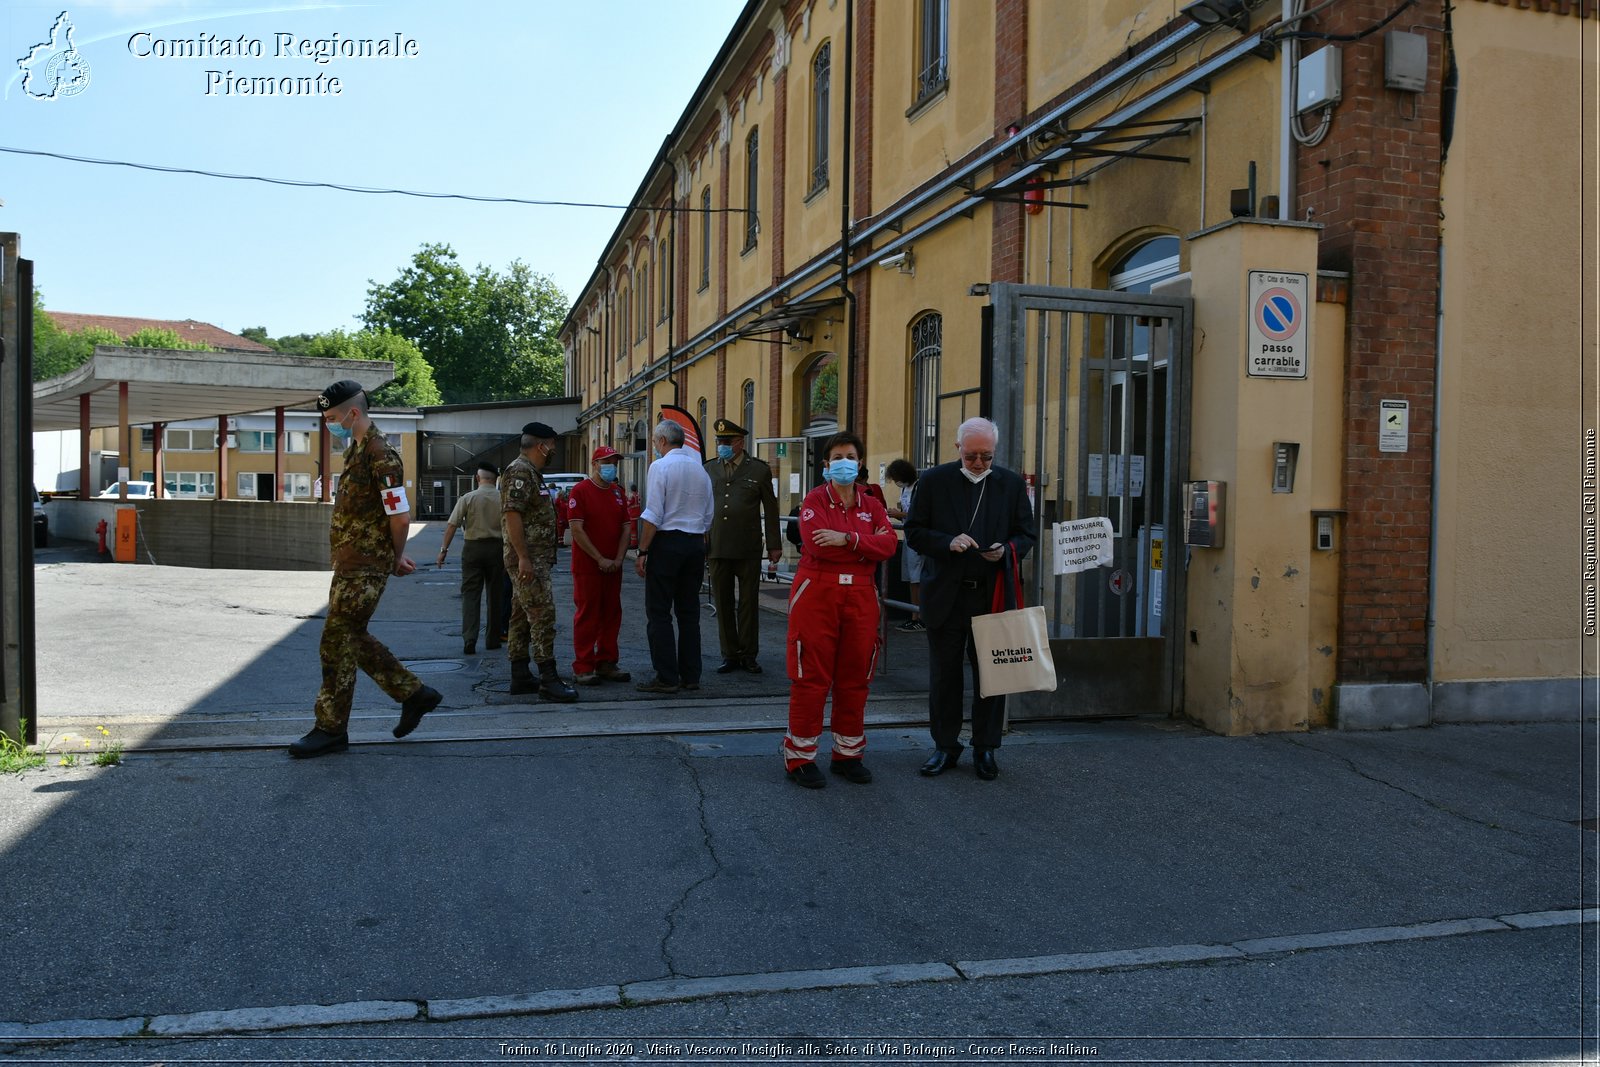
<point x="394" y="501"/>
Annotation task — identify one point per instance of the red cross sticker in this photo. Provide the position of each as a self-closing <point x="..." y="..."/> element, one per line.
<point x="391" y="500"/>
<point x="394" y="501"/>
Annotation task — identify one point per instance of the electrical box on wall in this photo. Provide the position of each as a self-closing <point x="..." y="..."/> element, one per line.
<point x="1405" y="61"/>
<point x="1318" y="76"/>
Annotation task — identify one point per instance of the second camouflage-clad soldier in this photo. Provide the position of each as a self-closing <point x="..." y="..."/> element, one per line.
<point x="528" y="532"/>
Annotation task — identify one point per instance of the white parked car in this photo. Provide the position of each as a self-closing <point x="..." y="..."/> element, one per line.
<point x="136" y="491"/>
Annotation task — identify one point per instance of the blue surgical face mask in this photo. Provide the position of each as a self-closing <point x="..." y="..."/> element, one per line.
<point x="842" y="471"/>
<point x="608" y="472"/>
<point x="339" y="431"/>
<point x="724" y="452"/>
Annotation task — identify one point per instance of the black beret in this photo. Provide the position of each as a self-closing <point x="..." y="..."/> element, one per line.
<point x="539" y="429"/>
<point x="337" y="394"/>
<point x="489" y="469"/>
<point x="727" y="428"/>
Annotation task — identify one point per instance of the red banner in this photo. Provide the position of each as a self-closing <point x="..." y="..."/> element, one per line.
<point x="691" y="428"/>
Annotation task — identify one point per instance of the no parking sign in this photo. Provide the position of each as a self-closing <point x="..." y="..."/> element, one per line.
<point x="1278" y="313"/>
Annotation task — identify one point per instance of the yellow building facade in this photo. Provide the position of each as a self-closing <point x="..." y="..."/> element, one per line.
<point x="1294" y="251"/>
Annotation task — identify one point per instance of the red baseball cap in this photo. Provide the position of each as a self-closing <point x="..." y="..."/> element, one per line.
<point x="604" y="452"/>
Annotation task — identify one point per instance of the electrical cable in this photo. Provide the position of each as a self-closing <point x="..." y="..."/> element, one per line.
<point x="339" y="187"/>
<point x="1313" y="35"/>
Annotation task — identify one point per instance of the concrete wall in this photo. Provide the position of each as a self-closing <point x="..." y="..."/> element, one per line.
<point x="242" y="534"/>
<point x="1513" y="407"/>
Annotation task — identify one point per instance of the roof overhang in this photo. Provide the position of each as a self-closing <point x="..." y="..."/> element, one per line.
<point x="171" y="386"/>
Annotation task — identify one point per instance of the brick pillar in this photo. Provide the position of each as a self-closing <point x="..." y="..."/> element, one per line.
<point x="721" y="408"/>
<point x="780" y="157"/>
<point x="1010" y="104"/>
<point x="721" y="265"/>
<point x="1374" y="184"/>
<point x="861" y="196"/>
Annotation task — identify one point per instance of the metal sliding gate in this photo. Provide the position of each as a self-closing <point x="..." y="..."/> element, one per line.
<point x="1091" y="394"/>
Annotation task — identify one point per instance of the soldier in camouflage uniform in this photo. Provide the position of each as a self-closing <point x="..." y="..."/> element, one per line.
<point x="528" y="532"/>
<point x="367" y="537"/>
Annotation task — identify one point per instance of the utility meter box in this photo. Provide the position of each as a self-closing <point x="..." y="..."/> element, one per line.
<point x="1319" y="80"/>
<point x="1405" y="61"/>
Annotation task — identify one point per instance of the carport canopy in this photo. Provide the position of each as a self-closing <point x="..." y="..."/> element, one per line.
<point x="171" y="386"/>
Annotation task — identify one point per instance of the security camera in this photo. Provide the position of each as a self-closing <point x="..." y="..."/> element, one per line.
<point x="896" y="260"/>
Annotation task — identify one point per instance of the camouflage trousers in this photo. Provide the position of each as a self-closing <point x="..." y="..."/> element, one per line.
<point x="533" y="616"/>
<point x="346" y="645"/>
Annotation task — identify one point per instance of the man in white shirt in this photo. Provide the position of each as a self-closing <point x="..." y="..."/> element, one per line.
<point x="672" y="559"/>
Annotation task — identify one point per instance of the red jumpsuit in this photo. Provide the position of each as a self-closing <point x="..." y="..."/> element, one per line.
<point x="596" y="597"/>
<point x="833" y="624"/>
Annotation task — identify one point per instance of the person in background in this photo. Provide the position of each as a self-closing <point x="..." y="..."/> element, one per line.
<point x="833" y="618"/>
<point x="673" y="526"/>
<point x="904" y="475"/>
<point x="367" y="539"/>
<point x="477" y="516"/>
<point x="744" y="508"/>
<point x="965" y="516"/>
<point x="635" y="509"/>
<point x="597" y="514"/>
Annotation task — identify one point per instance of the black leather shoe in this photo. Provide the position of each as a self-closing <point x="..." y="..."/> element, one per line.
<point x="983" y="763"/>
<point x="807" y="776"/>
<point x="656" y="685"/>
<point x="940" y="762"/>
<point x="414" y="708"/>
<point x="690" y="686"/>
<point x="727" y="666"/>
<point x="851" y="770"/>
<point x="319" y="742"/>
<point x="752" y="667"/>
<point x="470" y="648"/>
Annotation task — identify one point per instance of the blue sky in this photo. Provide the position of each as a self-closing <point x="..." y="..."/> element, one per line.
<point x="538" y="99"/>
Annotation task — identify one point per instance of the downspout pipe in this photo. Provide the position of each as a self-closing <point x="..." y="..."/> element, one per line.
<point x="1286" y="144"/>
<point x="844" y="213"/>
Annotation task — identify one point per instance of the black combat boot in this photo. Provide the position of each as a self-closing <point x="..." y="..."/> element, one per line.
<point x="522" y="680"/>
<point x="551" y="687"/>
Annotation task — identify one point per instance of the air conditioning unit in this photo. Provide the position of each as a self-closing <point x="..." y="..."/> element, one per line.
<point x="233" y="440"/>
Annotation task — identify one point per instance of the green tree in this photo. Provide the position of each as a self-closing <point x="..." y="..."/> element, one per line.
<point x="161" y="337"/>
<point x="412" y="384"/>
<point x="55" y="351"/>
<point x="488" y="336"/>
<point x="296" y="344"/>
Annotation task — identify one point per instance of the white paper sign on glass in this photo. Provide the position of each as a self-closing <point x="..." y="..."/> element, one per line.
<point x="1081" y="544"/>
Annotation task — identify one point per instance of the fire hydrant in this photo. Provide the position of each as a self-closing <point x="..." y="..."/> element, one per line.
<point x="100" y="531"/>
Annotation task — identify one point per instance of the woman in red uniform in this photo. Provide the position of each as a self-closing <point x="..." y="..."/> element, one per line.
<point x="833" y="617"/>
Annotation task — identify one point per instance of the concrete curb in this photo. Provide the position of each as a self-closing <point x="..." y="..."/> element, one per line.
<point x="666" y="990"/>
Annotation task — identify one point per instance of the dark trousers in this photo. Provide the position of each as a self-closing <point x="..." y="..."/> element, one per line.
<point x="672" y="574"/>
<point x="735" y="585"/>
<point x="950" y="648"/>
<point x="481" y="569"/>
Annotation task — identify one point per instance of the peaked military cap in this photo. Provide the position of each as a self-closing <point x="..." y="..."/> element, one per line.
<point x="539" y="429"/>
<point x="337" y="394"/>
<point x="727" y="428"/>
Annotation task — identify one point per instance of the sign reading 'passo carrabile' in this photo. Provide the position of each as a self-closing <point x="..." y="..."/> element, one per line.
<point x="1276" y="342"/>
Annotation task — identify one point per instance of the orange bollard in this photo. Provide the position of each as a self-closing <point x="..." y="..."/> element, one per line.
<point x="127" y="530"/>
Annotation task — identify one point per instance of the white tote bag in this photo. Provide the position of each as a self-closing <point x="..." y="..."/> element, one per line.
<point x="1013" y="646"/>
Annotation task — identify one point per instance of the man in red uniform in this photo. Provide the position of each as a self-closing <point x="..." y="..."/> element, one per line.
<point x="833" y="617"/>
<point x="597" y="514"/>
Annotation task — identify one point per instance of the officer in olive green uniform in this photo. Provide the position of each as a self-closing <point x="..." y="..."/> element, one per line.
<point x="367" y="537"/>
<point x="528" y="532"/>
<point x="741" y="490"/>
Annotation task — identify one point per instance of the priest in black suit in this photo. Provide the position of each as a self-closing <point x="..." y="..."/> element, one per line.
<point x="964" y="515"/>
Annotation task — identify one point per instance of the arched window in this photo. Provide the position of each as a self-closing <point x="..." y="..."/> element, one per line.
<point x="663" y="272"/>
<point x="700" y="412"/>
<point x="927" y="346"/>
<point x="752" y="188"/>
<point x="820" y="393"/>
<point x="705" y="237"/>
<point x="1154" y="261"/>
<point x="819" y="118"/>
<point x="622" y="323"/>
<point x="750" y="409"/>
<point x="643" y="288"/>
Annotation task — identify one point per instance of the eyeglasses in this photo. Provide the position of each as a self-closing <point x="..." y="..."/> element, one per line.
<point x="978" y="457"/>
